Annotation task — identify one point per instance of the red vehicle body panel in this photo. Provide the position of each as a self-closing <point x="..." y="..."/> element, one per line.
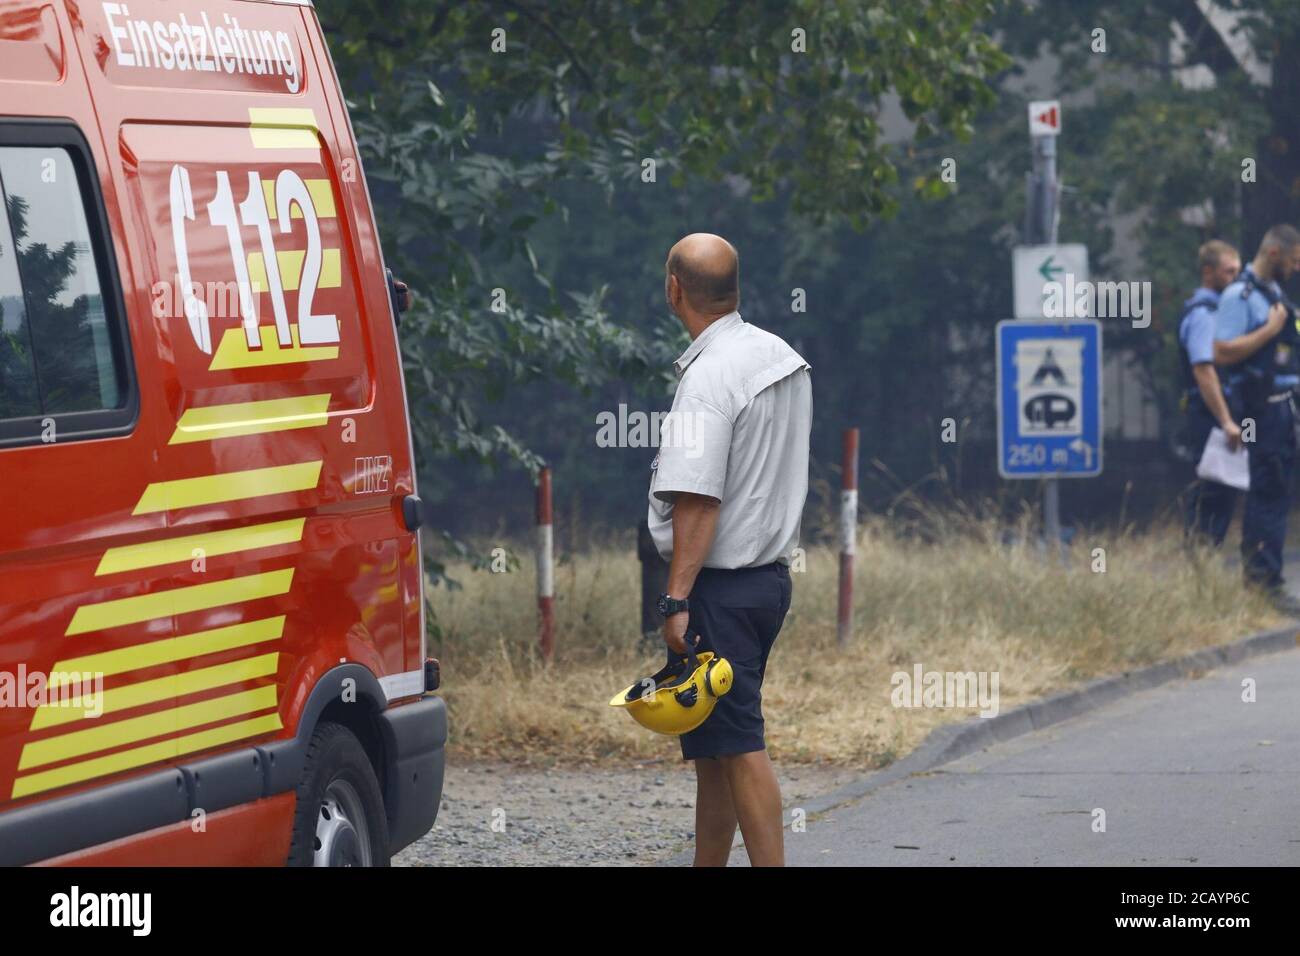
<point x="246" y="536"/>
<point x="254" y="834"/>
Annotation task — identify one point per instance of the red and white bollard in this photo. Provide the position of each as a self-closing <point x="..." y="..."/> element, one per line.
<point x="848" y="533"/>
<point x="545" y="565"/>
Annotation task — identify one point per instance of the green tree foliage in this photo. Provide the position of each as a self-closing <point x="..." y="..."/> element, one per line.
<point x="1163" y="128"/>
<point x="523" y="170"/>
<point x="900" y="318"/>
<point x="1221" y="81"/>
<point x="472" y="119"/>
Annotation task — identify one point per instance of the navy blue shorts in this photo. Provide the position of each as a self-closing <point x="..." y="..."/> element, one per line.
<point x="737" y="615"/>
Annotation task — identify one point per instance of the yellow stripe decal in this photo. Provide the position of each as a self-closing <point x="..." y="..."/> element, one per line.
<point x="175" y="550"/>
<point x="152" y="753"/>
<point x="283" y="128"/>
<point x="75" y="708"/>
<point x="322" y="198"/>
<point x="291" y="261"/>
<point x="282" y="116"/>
<point x="227" y="486"/>
<point x="233" y="351"/>
<point x="166" y="651"/>
<point x="37" y="753"/>
<point x="283" y="137"/>
<point x="199" y="597"/>
<point x="249" y="418"/>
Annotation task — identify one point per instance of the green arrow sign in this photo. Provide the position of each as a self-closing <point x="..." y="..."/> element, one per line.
<point x="1047" y="269"/>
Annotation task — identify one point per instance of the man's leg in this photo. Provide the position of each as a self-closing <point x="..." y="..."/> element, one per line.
<point x="1263" y="526"/>
<point x="715" y="817"/>
<point x="757" y="798"/>
<point x="1257" y="522"/>
<point x="1218" y="502"/>
<point x="738" y="616"/>
<point x="1199" y="517"/>
<point x="1203" y="522"/>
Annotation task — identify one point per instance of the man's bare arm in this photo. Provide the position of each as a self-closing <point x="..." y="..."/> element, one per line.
<point x="1207" y="380"/>
<point x="1232" y="351"/>
<point x="695" y="521"/>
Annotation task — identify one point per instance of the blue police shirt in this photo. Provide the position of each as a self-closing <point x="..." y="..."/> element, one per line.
<point x="1196" y="333"/>
<point x="1237" y="316"/>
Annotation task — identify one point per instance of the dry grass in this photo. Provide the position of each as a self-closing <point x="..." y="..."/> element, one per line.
<point x="963" y="602"/>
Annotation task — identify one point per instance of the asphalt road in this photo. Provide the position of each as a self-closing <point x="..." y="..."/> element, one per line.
<point x="1186" y="773"/>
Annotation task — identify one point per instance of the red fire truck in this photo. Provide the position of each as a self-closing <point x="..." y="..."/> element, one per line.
<point x="211" y="614"/>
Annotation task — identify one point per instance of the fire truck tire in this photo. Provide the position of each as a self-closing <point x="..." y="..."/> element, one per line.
<point x="339" y="820"/>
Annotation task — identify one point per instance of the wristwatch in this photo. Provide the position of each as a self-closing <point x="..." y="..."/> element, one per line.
<point x="668" y="606"/>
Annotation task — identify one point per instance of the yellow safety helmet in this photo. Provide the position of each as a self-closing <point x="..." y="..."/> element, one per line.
<point x="681" y="696"/>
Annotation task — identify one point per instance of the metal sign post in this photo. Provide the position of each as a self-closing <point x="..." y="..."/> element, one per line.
<point x="1045" y="228"/>
<point x="1044" y="128"/>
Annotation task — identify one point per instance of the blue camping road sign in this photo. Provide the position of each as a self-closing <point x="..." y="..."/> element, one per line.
<point x="1049" y="399"/>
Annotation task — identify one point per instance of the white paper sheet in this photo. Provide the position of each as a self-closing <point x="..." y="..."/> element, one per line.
<point x="1231" y="468"/>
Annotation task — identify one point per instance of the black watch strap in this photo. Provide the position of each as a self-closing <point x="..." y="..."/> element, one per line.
<point x="668" y="606"/>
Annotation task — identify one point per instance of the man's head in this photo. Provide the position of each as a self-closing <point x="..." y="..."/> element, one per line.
<point x="1279" y="253"/>
<point x="1219" y="264"/>
<point x="702" y="279"/>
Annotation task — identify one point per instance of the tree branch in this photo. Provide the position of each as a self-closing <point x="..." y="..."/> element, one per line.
<point x="559" y="41"/>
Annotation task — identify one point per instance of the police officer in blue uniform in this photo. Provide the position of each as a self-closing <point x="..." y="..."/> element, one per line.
<point x="1209" y="505"/>
<point x="1260" y="385"/>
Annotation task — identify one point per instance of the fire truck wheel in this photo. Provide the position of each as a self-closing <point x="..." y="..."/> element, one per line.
<point x="340" y="818"/>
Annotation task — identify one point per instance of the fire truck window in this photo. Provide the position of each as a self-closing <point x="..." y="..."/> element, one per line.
<point x="18" y="398"/>
<point x="64" y="331"/>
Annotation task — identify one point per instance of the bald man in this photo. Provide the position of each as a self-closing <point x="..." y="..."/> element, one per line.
<point x="726" y="499"/>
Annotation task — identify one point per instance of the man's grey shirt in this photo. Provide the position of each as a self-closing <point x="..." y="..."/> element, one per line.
<point x="739" y="432"/>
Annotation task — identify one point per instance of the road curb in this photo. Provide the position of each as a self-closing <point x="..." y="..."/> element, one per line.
<point x="952" y="741"/>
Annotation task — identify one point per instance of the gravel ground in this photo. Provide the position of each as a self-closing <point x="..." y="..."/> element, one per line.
<point x="498" y="814"/>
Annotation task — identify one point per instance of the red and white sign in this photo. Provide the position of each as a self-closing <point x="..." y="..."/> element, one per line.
<point x="1045" y="118"/>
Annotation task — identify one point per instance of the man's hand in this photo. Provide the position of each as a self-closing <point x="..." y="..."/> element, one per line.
<point x="675" y="631"/>
<point x="1232" y="431"/>
<point x="1276" y="318"/>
